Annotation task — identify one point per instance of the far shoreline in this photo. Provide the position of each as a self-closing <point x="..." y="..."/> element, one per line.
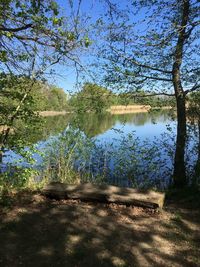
<point x="122" y="109"/>
<point x="113" y="110"/>
<point x="48" y="113"/>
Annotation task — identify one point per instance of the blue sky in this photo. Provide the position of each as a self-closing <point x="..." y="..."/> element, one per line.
<point x="93" y="9"/>
<point x="67" y="76"/>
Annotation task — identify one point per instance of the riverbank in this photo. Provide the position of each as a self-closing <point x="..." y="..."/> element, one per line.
<point x="118" y="109"/>
<point x="47" y="113"/>
<point x="36" y="231"/>
<point x="123" y="109"/>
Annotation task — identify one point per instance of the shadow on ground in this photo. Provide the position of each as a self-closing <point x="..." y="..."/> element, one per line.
<point x="74" y="234"/>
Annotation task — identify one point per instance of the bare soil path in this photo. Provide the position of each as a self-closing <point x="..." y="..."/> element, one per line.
<point x="38" y="232"/>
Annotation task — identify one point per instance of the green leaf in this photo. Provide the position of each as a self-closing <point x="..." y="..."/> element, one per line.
<point x="54" y="7"/>
<point x="3" y="56"/>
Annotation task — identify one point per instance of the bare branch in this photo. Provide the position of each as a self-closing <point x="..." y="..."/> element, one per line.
<point x="194" y="88"/>
<point x="141" y="64"/>
<point x="156" y="78"/>
<point x="33" y="39"/>
<point x="153" y="94"/>
<point x="3" y="28"/>
<point x="196" y="23"/>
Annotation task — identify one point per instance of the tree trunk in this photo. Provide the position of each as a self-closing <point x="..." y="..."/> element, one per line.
<point x="196" y="178"/>
<point x="1" y="156"/>
<point x="179" y="175"/>
<point x="4" y="138"/>
<point x="6" y="133"/>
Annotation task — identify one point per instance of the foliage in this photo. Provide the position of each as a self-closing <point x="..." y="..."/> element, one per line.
<point x="137" y="51"/>
<point x="73" y="157"/>
<point x="26" y="120"/>
<point x="20" y="173"/>
<point x="67" y="156"/>
<point x="96" y="99"/>
<point x="49" y="97"/>
<point x="194" y="106"/>
<point x="92" y="98"/>
<point x="142" y="98"/>
<point x="35" y="36"/>
<point x="12" y="90"/>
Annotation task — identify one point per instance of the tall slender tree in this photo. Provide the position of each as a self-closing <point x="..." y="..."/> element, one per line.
<point x="155" y="45"/>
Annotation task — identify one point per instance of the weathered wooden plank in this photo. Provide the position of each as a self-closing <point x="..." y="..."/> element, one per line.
<point x="105" y="193"/>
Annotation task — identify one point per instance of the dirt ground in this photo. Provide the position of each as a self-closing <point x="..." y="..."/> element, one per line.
<point x="38" y="232"/>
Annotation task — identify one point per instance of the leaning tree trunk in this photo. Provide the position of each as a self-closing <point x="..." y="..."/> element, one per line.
<point x="4" y="138"/>
<point x="6" y="133"/>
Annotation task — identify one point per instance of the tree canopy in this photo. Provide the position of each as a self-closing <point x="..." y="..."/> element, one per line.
<point x="35" y="36"/>
<point x="92" y="98"/>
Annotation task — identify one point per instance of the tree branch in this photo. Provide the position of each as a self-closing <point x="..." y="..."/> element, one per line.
<point x="141" y="64"/>
<point x="194" y="88"/>
<point x="33" y="39"/>
<point x="156" y="78"/>
<point x="3" y="28"/>
<point x="153" y="94"/>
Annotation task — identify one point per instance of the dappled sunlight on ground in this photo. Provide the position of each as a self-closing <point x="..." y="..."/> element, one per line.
<point x="73" y="233"/>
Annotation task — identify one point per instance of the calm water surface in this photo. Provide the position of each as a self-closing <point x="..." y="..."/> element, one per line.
<point x="104" y="129"/>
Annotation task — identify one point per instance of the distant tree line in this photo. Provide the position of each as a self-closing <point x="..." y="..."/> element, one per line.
<point x="92" y="98"/>
<point x="95" y="98"/>
<point x="50" y="97"/>
<point x="42" y="97"/>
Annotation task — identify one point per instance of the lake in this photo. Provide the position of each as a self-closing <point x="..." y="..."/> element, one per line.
<point x="105" y="126"/>
<point x="123" y="149"/>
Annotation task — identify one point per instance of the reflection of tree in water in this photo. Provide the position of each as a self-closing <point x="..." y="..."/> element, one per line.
<point x="55" y="124"/>
<point x="140" y="119"/>
<point x="161" y="115"/>
<point x="38" y="129"/>
<point x="135" y="118"/>
<point x="93" y="124"/>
